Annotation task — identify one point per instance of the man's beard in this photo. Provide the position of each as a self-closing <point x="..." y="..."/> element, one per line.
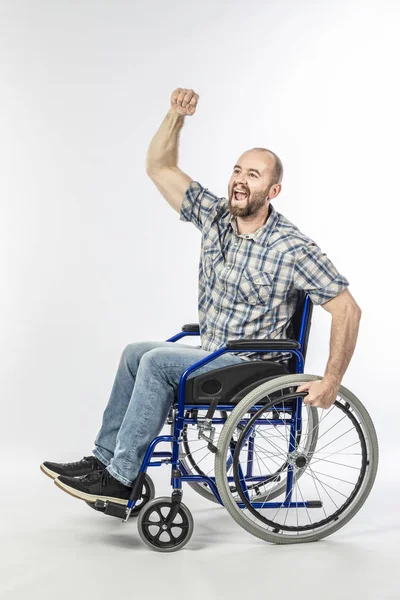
<point x="251" y="206"/>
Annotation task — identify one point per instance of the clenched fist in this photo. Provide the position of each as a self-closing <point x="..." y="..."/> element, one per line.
<point x="184" y="101"/>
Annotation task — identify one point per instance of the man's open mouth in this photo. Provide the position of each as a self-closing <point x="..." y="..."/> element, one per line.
<point x="240" y="196"/>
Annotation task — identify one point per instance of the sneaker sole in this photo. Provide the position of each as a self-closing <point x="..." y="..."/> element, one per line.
<point x="87" y="497"/>
<point x="49" y="472"/>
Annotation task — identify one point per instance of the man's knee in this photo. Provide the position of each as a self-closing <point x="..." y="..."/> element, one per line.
<point x="130" y="351"/>
<point x="160" y="356"/>
<point x="135" y="351"/>
<point x="160" y="363"/>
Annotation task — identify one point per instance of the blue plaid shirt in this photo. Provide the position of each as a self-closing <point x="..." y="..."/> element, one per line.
<point x="249" y="283"/>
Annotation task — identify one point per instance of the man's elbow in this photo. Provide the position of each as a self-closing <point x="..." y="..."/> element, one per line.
<point x="343" y="303"/>
<point x="356" y="309"/>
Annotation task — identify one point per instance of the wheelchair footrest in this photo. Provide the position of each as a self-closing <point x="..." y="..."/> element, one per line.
<point x="111" y="508"/>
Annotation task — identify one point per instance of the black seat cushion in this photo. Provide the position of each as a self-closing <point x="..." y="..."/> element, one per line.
<point x="230" y="384"/>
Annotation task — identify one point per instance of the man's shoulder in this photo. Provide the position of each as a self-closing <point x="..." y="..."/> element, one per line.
<point x="287" y="237"/>
<point x="217" y="204"/>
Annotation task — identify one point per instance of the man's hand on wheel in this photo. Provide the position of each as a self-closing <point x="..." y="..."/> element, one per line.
<point x="321" y="394"/>
<point x="184" y="101"/>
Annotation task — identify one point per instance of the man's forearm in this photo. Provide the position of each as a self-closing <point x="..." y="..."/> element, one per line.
<point x="163" y="149"/>
<point x="344" y="332"/>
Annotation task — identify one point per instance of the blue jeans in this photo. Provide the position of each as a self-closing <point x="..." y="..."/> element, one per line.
<point x="144" y="390"/>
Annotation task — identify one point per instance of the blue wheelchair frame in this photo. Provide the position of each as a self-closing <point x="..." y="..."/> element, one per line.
<point x="178" y="472"/>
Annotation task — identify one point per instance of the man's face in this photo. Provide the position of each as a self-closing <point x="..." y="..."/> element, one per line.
<point x="252" y="175"/>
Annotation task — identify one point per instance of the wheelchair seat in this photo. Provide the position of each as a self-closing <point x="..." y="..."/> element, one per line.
<point x="228" y="385"/>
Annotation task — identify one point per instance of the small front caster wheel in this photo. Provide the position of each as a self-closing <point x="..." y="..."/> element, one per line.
<point x="157" y="533"/>
<point x="148" y="493"/>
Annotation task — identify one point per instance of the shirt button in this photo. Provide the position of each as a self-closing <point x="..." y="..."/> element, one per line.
<point x="257" y="280"/>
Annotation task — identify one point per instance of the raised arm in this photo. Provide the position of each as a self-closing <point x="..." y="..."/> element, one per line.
<point x="162" y="154"/>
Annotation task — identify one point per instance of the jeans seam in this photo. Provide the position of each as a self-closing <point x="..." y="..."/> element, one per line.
<point x="100" y="456"/>
<point x="128" y="460"/>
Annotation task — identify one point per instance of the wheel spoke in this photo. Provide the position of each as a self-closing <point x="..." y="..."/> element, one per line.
<point x="329" y="443"/>
<point x="317" y="495"/>
<point x="158" y="535"/>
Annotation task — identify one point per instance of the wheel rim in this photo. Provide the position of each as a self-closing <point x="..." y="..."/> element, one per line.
<point x="158" y="533"/>
<point x="358" y="456"/>
<point x="278" y="526"/>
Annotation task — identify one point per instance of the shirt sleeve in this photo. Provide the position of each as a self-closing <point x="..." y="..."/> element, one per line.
<point x="316" y="275"/>
<point x="199" y="205"/>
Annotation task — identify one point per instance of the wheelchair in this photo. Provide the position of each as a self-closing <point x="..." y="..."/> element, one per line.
<point x="241" y="436"/>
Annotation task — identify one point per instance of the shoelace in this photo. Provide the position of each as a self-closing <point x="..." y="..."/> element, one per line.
<point x="77" y="463"/>
<point x="105" y="475"/>
<point x="96" y="476"/>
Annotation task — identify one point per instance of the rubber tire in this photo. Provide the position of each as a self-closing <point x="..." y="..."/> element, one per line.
<point x="223" y="445"/>
<point x="143" y="513"/>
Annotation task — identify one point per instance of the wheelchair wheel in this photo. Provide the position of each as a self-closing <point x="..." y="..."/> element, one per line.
<point x="148" y="493"/>
<point x="158" y="533"/>
<point x="337" y="476"/>
<point x="198" y="460"/>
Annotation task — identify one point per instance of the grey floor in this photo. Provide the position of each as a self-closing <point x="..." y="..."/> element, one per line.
<point x="54" y="546"/>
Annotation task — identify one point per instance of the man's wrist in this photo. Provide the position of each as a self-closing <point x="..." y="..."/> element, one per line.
<point x="332" y="379"/>
<point x="175" y="114"/>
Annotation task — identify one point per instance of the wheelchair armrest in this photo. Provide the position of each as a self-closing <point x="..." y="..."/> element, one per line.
<point x="191" y="327"/>
<point x="247" y="344"/>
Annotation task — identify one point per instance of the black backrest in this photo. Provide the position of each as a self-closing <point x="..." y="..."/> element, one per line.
<point x="301" y="324"/>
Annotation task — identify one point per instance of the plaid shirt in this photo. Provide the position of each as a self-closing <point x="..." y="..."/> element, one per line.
<point x="249" y="283"/>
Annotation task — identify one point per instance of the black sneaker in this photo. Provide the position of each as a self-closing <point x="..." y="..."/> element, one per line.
<point x="99" y="485"/>
<point x="88" y="464"/>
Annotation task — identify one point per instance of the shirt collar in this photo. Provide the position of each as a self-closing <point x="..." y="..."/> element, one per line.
<point x="262" y="234"/>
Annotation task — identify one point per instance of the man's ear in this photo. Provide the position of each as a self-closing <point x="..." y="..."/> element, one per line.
<point x="274" y="191"/>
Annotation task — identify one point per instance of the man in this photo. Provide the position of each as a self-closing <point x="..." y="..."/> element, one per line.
<point x="253" y="263"/>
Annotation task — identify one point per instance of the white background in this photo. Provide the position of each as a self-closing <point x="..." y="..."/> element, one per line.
<point x="92" y="257"/>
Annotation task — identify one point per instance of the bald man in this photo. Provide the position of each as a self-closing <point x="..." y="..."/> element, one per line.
<point x="254" y="264"/>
